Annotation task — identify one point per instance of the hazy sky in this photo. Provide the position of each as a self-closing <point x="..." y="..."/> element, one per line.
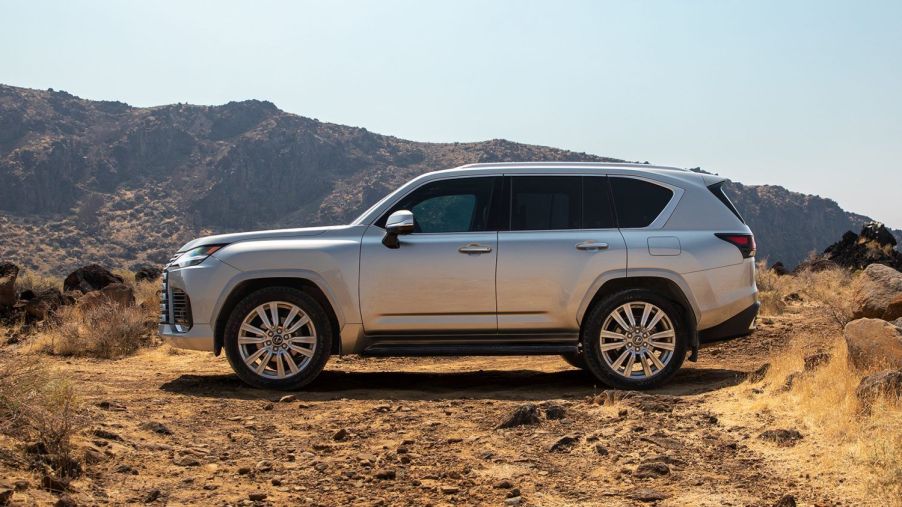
<point x="807" y="95"/>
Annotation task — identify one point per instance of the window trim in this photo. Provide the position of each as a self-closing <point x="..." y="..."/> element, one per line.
<point x="389" y="206"/>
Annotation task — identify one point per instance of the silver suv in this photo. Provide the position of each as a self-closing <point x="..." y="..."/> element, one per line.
<point x="621" y="269"/>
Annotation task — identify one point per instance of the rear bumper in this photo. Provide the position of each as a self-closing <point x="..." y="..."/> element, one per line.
<point x="741" y="324"/>
<point x="199" y="337"/>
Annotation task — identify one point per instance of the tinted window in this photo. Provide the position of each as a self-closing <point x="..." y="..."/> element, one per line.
<point x="456" y="205"/>
<point x="638" y="202"/>
<point x="597" y="210"/>
<point x="545" y="202"/>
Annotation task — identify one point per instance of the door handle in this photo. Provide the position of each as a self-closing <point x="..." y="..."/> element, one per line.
<point x="591" y="245"/>
<point x="474" y="248"/>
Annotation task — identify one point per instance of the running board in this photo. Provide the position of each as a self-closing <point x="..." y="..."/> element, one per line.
<point x="471" y="349"/>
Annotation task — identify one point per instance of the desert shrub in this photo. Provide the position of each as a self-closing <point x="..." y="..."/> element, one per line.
<point x="30" y="280"/>
<point x="772" y="289"/>
<point x="106" y="331"/>
<point x="40" y="409"/>
<point x="832" y="290"/>
<point x="865" y="443"/>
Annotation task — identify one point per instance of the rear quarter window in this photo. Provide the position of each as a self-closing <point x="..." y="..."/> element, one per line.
<point x="638" y="202"/>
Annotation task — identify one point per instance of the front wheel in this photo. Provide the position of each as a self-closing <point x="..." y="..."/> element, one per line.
<point x="278" y="338"/>
<point x="634" y="339"/>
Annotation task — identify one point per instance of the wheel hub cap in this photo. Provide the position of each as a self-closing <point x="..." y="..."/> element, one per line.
<point x="277" y="340"/>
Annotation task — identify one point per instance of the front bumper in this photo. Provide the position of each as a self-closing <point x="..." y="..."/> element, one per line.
<point x="199" y="337"/>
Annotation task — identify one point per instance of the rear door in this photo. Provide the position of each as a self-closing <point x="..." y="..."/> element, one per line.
<point x="562" y="238"/>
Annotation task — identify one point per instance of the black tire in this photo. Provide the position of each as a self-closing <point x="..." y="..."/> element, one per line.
<point x="591" y="342"/>
<point x="575" y="360"/>
<point x="317" y="316"/>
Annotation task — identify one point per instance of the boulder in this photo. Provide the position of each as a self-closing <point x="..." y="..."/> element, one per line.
<point x="41" y="304"/>
<point x="878" y="293"/>
<point x="8" y="274"/>
<point x="873" y="343"/>
<point x="115" y="293"/>
<point x="148" y="274"/>
<point x="884" y="383"/>
<point x="875" y="244"/>
<point x="90" y="278"/>
<point x="779" y="269"/>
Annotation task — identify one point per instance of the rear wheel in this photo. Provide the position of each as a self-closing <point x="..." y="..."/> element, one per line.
<point x="278" y="338"/>
<point x="634" y="339"/>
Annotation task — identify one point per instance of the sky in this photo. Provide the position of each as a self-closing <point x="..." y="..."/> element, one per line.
<point x="803" y="94"/>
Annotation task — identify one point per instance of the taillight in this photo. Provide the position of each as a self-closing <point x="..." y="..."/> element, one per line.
<point x="744" y="242"/>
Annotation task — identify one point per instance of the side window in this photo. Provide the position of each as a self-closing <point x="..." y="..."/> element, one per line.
<point x="455" y="205"/>
<point x="598" y="211"/>
<point x="638" y="202"/>
<point x="545" y="202"/>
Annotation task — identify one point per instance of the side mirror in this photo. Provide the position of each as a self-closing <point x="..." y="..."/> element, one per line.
<point x="399" y="222"/>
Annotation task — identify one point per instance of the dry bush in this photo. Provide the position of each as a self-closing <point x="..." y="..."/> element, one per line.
<point x="822" y="402"/>
<point x="40" y="409"/>
<point x="832" y="290"/>
<point x="772" y="289"/>
<point x="29" y="280"/>
<point x="147" y="296"/>
<point x="106" y="331"/>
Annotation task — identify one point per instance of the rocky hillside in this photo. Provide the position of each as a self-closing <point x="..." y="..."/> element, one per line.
<point x="96" y="181"/>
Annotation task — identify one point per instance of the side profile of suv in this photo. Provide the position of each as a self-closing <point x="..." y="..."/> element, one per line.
<point x="621" y="269"/>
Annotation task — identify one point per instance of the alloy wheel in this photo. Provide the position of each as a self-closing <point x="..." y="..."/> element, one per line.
<point x="637" y="340"/>
<point x="277" y="340"/>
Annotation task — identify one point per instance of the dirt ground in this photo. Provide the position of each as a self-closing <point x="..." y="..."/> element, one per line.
<point x="180" y="428"/>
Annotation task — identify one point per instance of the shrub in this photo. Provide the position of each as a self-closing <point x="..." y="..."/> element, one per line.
<point x="40" y="409"/>
<point x="105" y="331"/>
<point x="832" y="290"/>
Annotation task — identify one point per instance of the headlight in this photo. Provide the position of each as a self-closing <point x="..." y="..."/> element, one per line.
<point x="195" y="256"/>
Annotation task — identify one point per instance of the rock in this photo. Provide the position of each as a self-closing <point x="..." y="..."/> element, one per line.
<point x="786" y="501"/>
<point x="257" y="496"/>
<point x="107" y="435"/>
<point x="115" y="293"/>
<point x="526" y="414"/>
<point x="779" y="269"/>
<point x="513" y="493"/>
<point x="816" y="360"/>
<point x="41" y="304"/>
<point x="563" y="444"/>
<point x="340" y="435"/>
<point x="647" y="495"/>
<point x="505" y="484"/>
<point x="111" y="405"/>
<point x="92" y="456"/>
<point x="148" y="274"/>
<point x="186" y="460"/>
<point x="874" y="245"/>
<point x="157" y="427"/>
<point x="6" y="494"/>
<point x="244" y="470"/>
<point x="152" y="496"/>
<point x="386" y="475"/>
<point x="8" y="274"/>
<point x="515" y="500"/>
<point x="126" y="469"/>
<point x="781" y="437"/>
<point x="90" y="278"/>
<point x="884" y="383"/>
<point x="65" y="501"/>
<point x="651" y="470"/>
<point x="51" y="483"/>
<point x="759" y="374"/>
<point x="601" y="450"/>
<point x="873" y="343"/>
<point x="554" y="412"/>
<point x="288" y="398"/>
<point x="877" y="293"/>
<point x="450" y="490"/>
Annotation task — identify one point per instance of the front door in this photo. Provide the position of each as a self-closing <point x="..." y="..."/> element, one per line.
<point x="442" y="278"/>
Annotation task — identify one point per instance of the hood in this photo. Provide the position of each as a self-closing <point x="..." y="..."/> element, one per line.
<point x="256" y="235"/>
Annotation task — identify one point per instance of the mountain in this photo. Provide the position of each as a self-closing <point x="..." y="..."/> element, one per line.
<point x="97" y="181"/>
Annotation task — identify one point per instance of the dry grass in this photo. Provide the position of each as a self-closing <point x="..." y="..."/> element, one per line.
<point x="40" y="409"/>
<point x="830" y="290"/>
<point x="30" y="280"/>
<point x="107" y="331"/>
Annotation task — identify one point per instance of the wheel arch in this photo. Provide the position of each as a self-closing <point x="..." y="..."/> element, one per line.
<point x="668" y="285"/>
<point x="246" y="287"/>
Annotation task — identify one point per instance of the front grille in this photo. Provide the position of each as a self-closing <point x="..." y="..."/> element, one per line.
<point x="181" y="309"/>
<point x="164" y="299"/>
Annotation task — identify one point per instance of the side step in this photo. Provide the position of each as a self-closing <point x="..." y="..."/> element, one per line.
<point x="471" y="349"/>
